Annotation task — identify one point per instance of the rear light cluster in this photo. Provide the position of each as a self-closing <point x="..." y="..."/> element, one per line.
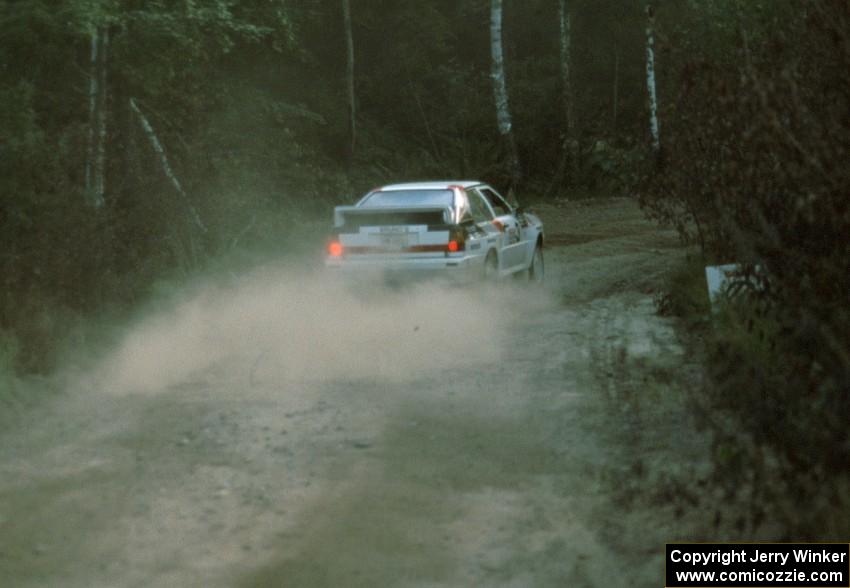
<point x="335" y="249"/>
<point x="457" y="240"/>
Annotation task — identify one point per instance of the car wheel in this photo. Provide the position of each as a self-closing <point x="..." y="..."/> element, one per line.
<point x="491" y="267"/>
<point x="536" y="270"/>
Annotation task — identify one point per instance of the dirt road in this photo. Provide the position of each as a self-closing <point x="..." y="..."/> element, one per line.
<point x="277" y="429"/>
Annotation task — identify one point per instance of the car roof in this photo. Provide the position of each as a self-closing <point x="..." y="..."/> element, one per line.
<point x="438" y="185"/>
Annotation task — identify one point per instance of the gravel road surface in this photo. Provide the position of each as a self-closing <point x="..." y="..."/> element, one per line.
<point x="280" y="429"/>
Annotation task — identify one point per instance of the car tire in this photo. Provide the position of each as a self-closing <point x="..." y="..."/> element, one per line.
<point x="491" y="267"/>
<point x="537" y="270"/>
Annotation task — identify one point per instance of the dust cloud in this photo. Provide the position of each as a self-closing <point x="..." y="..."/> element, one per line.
<point x="280" y="324"/>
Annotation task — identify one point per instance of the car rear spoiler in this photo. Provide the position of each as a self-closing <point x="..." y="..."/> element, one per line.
<point x="340" y="212"/>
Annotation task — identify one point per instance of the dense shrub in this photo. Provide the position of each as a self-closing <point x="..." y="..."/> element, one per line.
<point x="755" y="171"/>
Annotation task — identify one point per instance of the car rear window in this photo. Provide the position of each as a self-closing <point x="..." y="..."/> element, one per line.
<point x="352" y="221"/>
<point x="409" y="198"/>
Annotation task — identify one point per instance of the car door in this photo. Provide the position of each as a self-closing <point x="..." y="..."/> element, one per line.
<point x="483" y="217"/>
<point x="513" y="247"/>
<point x="529" y="229"/>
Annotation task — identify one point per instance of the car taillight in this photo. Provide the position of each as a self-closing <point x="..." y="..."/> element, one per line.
<point x="499" y="225"/>
<point x="457" y="240"/>
<point x="335" y="249"/>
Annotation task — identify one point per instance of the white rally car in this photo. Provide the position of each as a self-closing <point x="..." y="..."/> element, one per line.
<point x="458" y="229"/>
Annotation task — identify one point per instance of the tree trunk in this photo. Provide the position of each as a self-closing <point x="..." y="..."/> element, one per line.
<point x="615" y="102"/>
<point x="166" y="167"/>
<point x="92" y="113"/>
<point x="650" y="81"/>
<point x="500" y="90"/>
<point x="352" y="106"/>
<point x="96" y="143"/>
<point x="569" y="144"/>
<point x="100" y="158"/>
<point x="567" y="86"/>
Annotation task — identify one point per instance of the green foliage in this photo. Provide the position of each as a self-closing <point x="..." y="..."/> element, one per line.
<point x="685" y="294"/>
<point x="612" y="168"/>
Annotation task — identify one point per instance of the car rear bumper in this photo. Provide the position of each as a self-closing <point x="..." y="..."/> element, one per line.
<point x="456" y="269"/>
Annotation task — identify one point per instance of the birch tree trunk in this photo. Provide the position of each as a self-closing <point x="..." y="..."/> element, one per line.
<point x="352" y="106"/>
<point x="650" y="81"/>
<point x="166" y="167"/>
<point x="500" y="90"/>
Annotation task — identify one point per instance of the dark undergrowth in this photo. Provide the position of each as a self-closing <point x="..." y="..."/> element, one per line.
<point x="778" y="457"/>
<point x="752" y="174"/>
